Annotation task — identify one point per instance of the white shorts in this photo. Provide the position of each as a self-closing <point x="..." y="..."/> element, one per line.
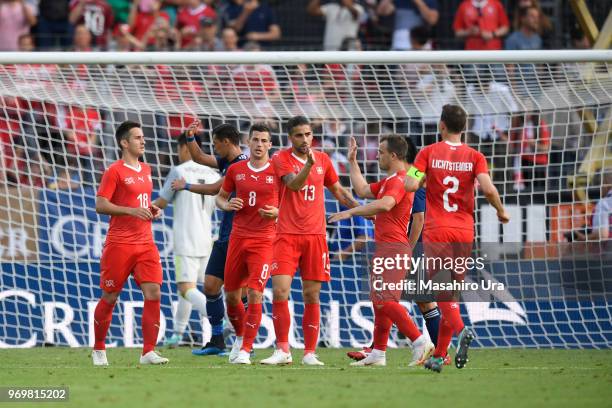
<point x="190" y="268"/>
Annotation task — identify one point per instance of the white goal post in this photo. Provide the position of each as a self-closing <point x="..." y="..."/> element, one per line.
<point x="542" y="119"/>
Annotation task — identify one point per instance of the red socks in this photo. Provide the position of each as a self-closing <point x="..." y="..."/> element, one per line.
<point x="399" y="315"/>
<point x="150" y="324"/>
<point x="310" y="326"/>
<point x="282" y="322"/>
<point x="103" y="316"/>
<point x="382" y="328"/>
<point x="251" y="326"/>
<point x="450" y="324"/>
<point x="236" y="316"/>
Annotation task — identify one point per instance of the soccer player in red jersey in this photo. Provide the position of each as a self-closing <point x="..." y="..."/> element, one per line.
<point x="300" y="239"/>
<point x="450" y="169"/>
<point x="250" y="244"/>
<point x="125" y="195"/>
<point x="391" y="207"/>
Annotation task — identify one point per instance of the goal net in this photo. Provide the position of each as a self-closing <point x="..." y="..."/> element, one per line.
<point x="542" y="120"/>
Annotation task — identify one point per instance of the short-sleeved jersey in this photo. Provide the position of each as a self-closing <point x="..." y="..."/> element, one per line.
<point x="192" y="223"/>
<point x="128" y="186"/>
<point x="602" y="215"/>
<point x="392" y="226"/>
<point x="98" y="18"/>
<point x="225" y="228"/>
<point x="257" y="188"/>
<point x="303" y="211"/>
<point x="491" y="17"/>
<point x="450" y="171"/>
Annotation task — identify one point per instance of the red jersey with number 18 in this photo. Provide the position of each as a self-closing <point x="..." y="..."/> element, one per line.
<point x="128" y="186"/>
<point x="450" y="170"/>
<point x="303" y="211"/>
<point x="257" y="188"/>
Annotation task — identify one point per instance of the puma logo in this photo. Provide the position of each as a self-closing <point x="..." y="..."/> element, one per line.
<point x="251" y="325"/>
<point x="255" y="177"/>
<point x="313" y="326"/>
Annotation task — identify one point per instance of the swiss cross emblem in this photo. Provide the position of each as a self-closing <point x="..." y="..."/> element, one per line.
<point x="269" y="179"/>
<point x="240" y="177"/>
<point x="129" y="180"/>
<point x="319" y="170"/>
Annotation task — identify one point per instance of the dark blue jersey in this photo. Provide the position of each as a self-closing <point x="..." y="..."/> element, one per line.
<point x="228" y="216"/>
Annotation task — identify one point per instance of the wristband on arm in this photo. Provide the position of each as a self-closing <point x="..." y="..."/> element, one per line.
<point x="187" y="186"/>
<point x="191" y="139"/>
<point x="415" y="173"/>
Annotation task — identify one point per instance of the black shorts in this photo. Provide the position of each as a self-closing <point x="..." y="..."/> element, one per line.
<point x="216" y="263"/>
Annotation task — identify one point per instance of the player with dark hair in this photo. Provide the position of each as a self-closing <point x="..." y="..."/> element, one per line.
<point x="226" y="142"/>
<point x="301" y="236"/>
<point x="129" y="249"/>
<point x="392" y="210"/>
<point x="450" y="168"/>
<point x="250" y="246"/>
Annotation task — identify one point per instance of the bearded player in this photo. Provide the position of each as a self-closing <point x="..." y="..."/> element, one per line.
<point x="250" y="246"/>
<point x="450" y="169"/>
<point x="391" y="207"/>
<point x="125" y="195"/>
<point x="300" y="240"/>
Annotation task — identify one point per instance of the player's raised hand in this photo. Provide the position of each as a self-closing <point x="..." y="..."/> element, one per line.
<point x="342" y="215"/>
<point x="193" y="128"/>
<point x="503" y="217"/>
<point x="268" y="211"/>
<point x="235" y="204"/>
<point x="310" y="159"/>
<point x="155" y="211"/>
<point x="352" y="150"/>
<point x="141" y="213"/>
<point x="179" y="184"/>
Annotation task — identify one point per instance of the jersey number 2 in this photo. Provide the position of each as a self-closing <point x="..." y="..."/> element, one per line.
<point x="454" y="182"/>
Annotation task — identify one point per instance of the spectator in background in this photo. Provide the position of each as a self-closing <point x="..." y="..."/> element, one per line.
<point x="342" y="21"/>
<point x="527" y="37"/>
<point x="161" y="37"/>
<point x="207" y="39"/>
<point x="16" y="19"/>
<point x="80" y="127"/>
<point x="121" y="10"/>
<point x="601" y="224"/>
<point x="229" y="38"/>
<point x="544" y="24"/>
<point x="97" y="16"/>
<point x="409" y="14"/>
<point x="53" y="28"/>
<point x="124" y="41"/>
<point x="339" y="160"/>
<point x="253" y="21"/>
<point x="146" y="16"/>
<point x="26" y="43"/>
<point x="535" y="145"/>
<point x="482" y="23"/>
<point x="189" y="20"/>
<point x="82" y="39"/>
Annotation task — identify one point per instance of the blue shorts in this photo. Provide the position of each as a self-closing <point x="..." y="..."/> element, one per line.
<point x="216" y="263"/>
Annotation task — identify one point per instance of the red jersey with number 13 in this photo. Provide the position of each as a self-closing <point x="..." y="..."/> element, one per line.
<point x="450" y="170"/>
<point x="257" y="188"/>
<point x="303" y="211"/>
<point x="127" y="186"/>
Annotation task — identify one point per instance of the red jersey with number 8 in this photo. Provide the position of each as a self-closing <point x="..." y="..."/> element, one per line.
<point x="450" y="171"/>
<point x="303" y="211"/>
<point x="128" y="186"/>
<point x="257" y="188"/>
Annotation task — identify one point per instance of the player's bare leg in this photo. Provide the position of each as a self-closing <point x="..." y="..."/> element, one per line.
<point x="281" y="286"/>
<point x="311" y="320"/>
<point x="236" y="314"/>
<point x="150" y="323"/>
<point x="103" y="316"/>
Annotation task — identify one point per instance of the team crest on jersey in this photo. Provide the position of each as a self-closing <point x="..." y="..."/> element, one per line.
<point x="319" y="170"/>
<point x="240" y="177"/>
<point x="269" y="179"/>
<point x="129" y="180"/>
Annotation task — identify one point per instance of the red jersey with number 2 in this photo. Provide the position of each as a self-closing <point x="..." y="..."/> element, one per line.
<point x="127" y="186"/>
<point x="450" y="171"/>
<point x="303" y="211"/>
<point x="257" y="188"/>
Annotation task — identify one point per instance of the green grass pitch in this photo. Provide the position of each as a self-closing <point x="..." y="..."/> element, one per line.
<point x="493" y="377"/>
